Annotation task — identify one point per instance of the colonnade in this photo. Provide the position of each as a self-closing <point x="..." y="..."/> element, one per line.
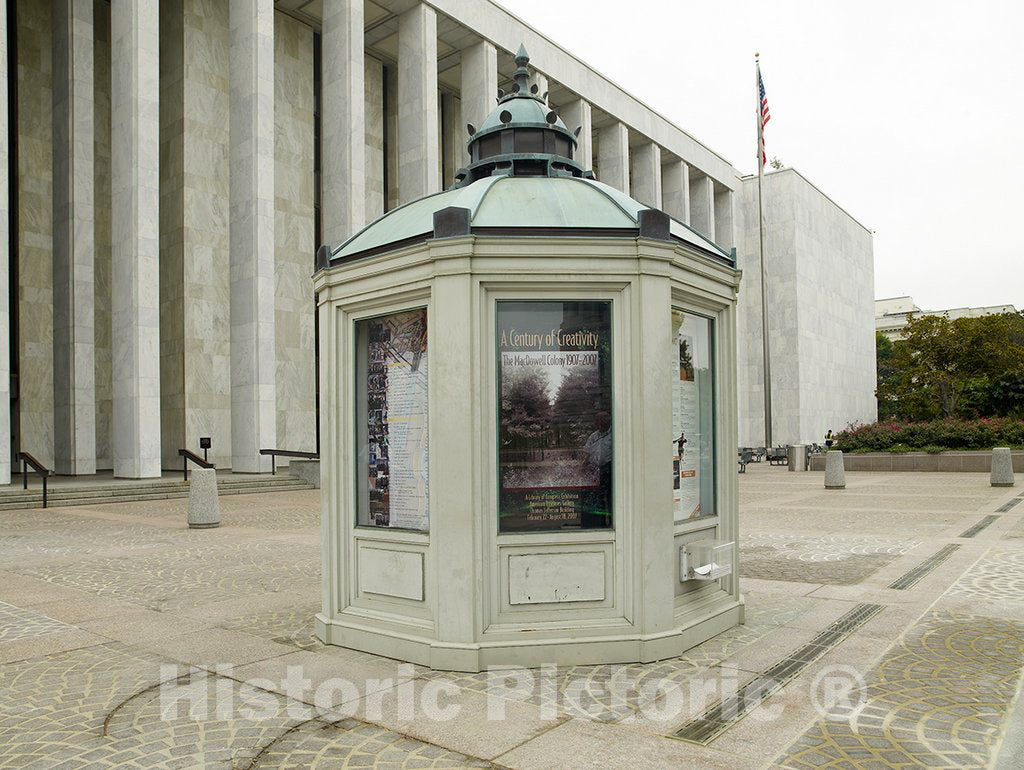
<point x="624" y="159"/>
<point x="621" y="155"/>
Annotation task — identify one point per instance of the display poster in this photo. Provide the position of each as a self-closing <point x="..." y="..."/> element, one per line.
<point x="554" y="415"/>
<point x="686" y="442"/>
<point x="396" y="403"/>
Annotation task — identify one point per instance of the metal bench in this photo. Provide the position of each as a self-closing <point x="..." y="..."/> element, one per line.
<point x="746" y="455"/>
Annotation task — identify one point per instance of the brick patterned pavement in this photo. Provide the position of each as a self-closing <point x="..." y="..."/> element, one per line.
<point x="98" y="604"/>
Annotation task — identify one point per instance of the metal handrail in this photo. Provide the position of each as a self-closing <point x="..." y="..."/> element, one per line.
<point x="186" y="455"/>
<point x="38" y="467"/>
<point x="274" y="453"/>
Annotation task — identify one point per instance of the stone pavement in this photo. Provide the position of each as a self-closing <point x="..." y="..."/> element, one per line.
<point x="885" y="628"/>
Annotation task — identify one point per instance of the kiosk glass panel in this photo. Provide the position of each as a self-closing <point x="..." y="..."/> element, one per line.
<point x="693" y="403"/>
<point x="392" y="488"/>
<point x="554" y="415"/>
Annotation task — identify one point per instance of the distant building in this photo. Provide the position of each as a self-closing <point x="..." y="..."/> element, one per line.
<point x="820" y="269"/>
<point x="892" y="314"/>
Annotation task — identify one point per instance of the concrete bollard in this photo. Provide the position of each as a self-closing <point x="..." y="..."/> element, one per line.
<point x="203" y="503"/>
<point x="1002" y="467"/>
<point x="835" y="471"/>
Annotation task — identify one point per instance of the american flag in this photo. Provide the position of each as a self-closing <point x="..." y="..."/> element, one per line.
<point x="765" y="114"/>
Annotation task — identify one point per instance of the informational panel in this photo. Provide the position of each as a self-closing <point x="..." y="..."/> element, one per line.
<point x="392" y="399"/>
<point x="684" y="430"/>
<point x="692" y="418"/>
<point x="554" y="415"/>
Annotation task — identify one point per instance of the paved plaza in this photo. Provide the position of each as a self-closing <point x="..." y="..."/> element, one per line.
<point x="885" y="628"/>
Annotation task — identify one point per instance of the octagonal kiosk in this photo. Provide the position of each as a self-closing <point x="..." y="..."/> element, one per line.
<point x="509" y="371"/>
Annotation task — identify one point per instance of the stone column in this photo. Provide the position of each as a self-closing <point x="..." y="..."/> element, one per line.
<point x="253" y="351"/>
<point x="5" y="259"/>
<point x="390" y="84"/>
<point x="540" y="80"/>
<point x="195" y="306"/>
<point x="343" y="148"/>
<point x="74" y="247"/>
<point x="577" y="115"/>
<point x="479" y="87"/>
<point x="376" y="195"/>
<point x="702" y="204"/>
<point x="135" y="200"/>
<point x="418" y="145"/>
<point x="724" y="233"/>
<point x="646" y="175"/>
<point x="453" y="152"/>
<point x="613" y="156"/>
<point x="675" y="190"/>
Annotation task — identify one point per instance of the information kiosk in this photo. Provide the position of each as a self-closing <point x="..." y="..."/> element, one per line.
<point x="509" y="371"/>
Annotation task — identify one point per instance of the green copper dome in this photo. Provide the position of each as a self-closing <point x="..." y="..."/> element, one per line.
<point x="521" y="137"/>
<point x="517" y="206"/>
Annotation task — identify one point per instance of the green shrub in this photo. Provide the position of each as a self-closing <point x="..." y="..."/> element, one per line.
<point x="934" y="450"/>
<point x="951" y="433"/>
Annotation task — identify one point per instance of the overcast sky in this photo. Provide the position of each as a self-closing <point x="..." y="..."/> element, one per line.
<point x="909" y="114"/>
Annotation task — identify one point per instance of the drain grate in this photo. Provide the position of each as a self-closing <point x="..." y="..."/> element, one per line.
<point x="1007" y="506"/>
<point x="911" y="578"/>
<point x="975" y="529"/>
<point x="723" y="715"/>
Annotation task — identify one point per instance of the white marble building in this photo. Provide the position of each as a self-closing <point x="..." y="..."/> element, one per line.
<point x="893" y="313"/>
<point x="820" y="273"/>
<point x="174" y="164"/>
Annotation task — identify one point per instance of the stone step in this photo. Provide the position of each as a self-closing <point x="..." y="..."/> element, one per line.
<point x="33" y="498"/>
<point x="114" y="489"/>
<point x="176" y="487"/>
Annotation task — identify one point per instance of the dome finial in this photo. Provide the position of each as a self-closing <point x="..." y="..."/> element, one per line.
<point x="522" y="75"/>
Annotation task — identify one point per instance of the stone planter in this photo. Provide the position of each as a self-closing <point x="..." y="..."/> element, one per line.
<point x="947" y="462"/>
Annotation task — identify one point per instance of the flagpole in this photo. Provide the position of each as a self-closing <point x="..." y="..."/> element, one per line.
<point x="760" y="239"/>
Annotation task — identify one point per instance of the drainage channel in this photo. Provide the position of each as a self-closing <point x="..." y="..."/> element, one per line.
<point x="975" y="529"/>
<point x="911" y="578"/>
<point x="1008" y="505"/>
<point x="725" y="714"/>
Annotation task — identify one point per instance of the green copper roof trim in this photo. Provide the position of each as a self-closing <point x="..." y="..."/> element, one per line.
<point x="633" y="208"/>
<point x="414" y="218"/>
<point x="523" y="203"/>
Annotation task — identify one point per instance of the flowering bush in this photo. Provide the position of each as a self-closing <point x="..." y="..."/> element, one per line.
<point x="951" y="433"/>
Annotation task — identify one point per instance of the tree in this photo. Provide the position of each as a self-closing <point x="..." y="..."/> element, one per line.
<point x="1006" y="395"/>
<point x="525" y="407"/>
<point x="574" y="407"/>
<point x="887" y="378"/>
<point x="941" y="366"/>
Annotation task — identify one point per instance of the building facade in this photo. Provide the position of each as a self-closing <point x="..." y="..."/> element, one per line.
<point x="820" y="268"/>
<point x="893" y="313"/>
<point x="173" y="164"/>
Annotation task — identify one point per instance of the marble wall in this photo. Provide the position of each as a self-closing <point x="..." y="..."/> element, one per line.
<point x="195" y="367"/>
<point x="293" y="233"/>
<point x="35" y="229"/>
<point x="819" y="262"/>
